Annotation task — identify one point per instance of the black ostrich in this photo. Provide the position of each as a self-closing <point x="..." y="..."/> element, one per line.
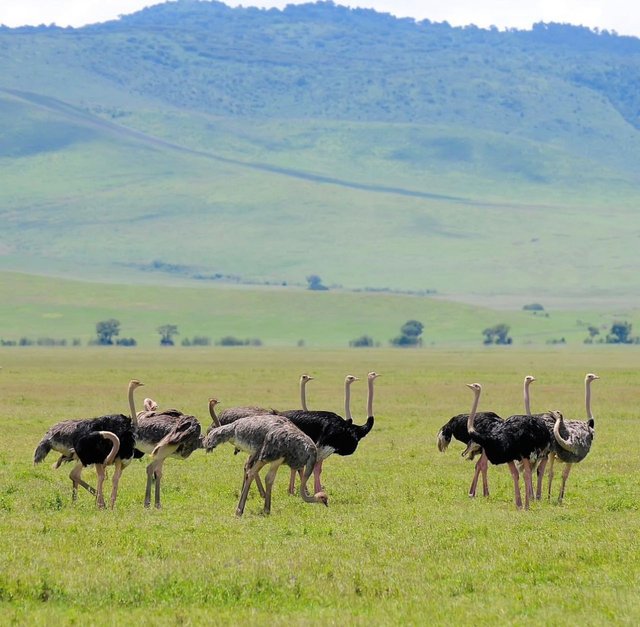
<point x="518" y="438"/>
<point x="70" y="436"/>
<point x="101" y="449"/>
<point x="330" y="432"/>
<point x="457" y="428"/>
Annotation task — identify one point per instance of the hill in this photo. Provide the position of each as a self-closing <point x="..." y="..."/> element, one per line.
<point x="192" y="142"/>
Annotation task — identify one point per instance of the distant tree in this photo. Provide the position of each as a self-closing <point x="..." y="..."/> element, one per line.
<point x="412" y="328"/>
<point x="107" y="330"/>
<point x="593" y="331"/>
<point x="533" y="307"/>
<point x="620" y="333"/>
<point x="315" y="283"/>
<point x="167" y="331"/>
<point x="362" y="341"/>
<point x="410" y="333"/>
<point x="498" y="334"/>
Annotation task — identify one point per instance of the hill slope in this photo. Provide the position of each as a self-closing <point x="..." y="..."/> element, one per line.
<point x="191" y="140"/>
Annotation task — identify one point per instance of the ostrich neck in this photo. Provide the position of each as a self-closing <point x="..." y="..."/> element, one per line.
<point x="303" y="395"/>
<point x="527" y="406"/>
<point x="472" y="415"/>
<point x="370" y="399"/>
<point x="587" y="398"/>
<point x="304" y="493"/>
<point x="347" y="400"/>
<point x="132" y="407"/>
<point x="559" y="439"/>
<point x="212" y="412"/>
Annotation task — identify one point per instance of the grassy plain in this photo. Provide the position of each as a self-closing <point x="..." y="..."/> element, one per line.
<point x="33" y="307"/>
<point x="400" y="542"/>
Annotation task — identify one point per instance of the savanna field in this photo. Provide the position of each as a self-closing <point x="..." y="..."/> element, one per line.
<point x="400" y="541"/>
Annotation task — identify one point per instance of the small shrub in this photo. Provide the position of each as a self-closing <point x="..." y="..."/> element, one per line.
<point x="362" y="341"/>
<point x="126" y="341"/>
<point x="230" y="340"/>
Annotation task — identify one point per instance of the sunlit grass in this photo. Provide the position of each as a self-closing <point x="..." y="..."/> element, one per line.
<point x="400" y="542"/>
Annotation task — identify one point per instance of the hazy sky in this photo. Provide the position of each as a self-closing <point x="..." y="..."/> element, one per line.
<point x="623" y="16"/>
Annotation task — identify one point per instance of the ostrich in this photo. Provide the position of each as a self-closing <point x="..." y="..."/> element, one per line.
<point x="93" y="449"/>
<point x="239" y="445"/>
<point x="457" y="428"/>
<point x="522" y="438"/>
<point x="64" y="437"/>
<point x="330" y="432"/>
<point x="163" y="434"/>
<point x="272" y="440"/>
<point x="572" y="439"/>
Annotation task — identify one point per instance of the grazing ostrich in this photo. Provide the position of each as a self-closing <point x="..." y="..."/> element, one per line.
<point x="330" y="432"/>
<point x="272" y="440"/>
<point x="239" y="445"/>
<point x="572" y="438"/>
<point x="518" y="438"/>
<point x="163" y="434"/>
<point x="64" y="437"/>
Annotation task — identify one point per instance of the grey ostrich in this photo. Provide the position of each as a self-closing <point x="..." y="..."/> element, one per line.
<point x="272" y="440"/>
<point x="240" y="445"/>
<point x="163" y="434"/>
<point x="572" y="438"/>
<point x="64" y="436"/>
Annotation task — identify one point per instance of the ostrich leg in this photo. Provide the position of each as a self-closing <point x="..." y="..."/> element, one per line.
<point x="250" y="475"/>
<point x="516" y="484"/>
<point x="116" y="480"/>
<point x="541" y="468"/>
<point x="552" y="458"/>
<point x="565" y="476"/>
<point x="268" y="480"/>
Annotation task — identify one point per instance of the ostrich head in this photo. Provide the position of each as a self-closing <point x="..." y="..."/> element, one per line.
<point x="372" y="376"/>
<point x="591" y="377"/>
<point x="305" y="377"/>
<point x="134" y="383"/>
<point x="214" y="438"/>
<point x="321" y="497"/>
<point x="529" y="379"/>
<point x="556" y="415"/>
<point x="349" y="379"/>
<point x="476" y="387"/>
<point x="150" y="405"/>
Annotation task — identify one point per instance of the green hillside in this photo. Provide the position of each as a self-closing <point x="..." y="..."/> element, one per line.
<point x="195" y="143"/>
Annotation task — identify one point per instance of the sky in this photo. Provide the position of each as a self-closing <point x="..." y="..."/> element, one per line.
<point x="622" y="16"/>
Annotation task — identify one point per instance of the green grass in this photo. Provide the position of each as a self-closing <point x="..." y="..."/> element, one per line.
<point x="400" y="542"/>
<point x="35" y="307"/>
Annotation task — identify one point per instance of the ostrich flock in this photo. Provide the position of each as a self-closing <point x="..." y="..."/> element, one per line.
<point x="302" y="439"/>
